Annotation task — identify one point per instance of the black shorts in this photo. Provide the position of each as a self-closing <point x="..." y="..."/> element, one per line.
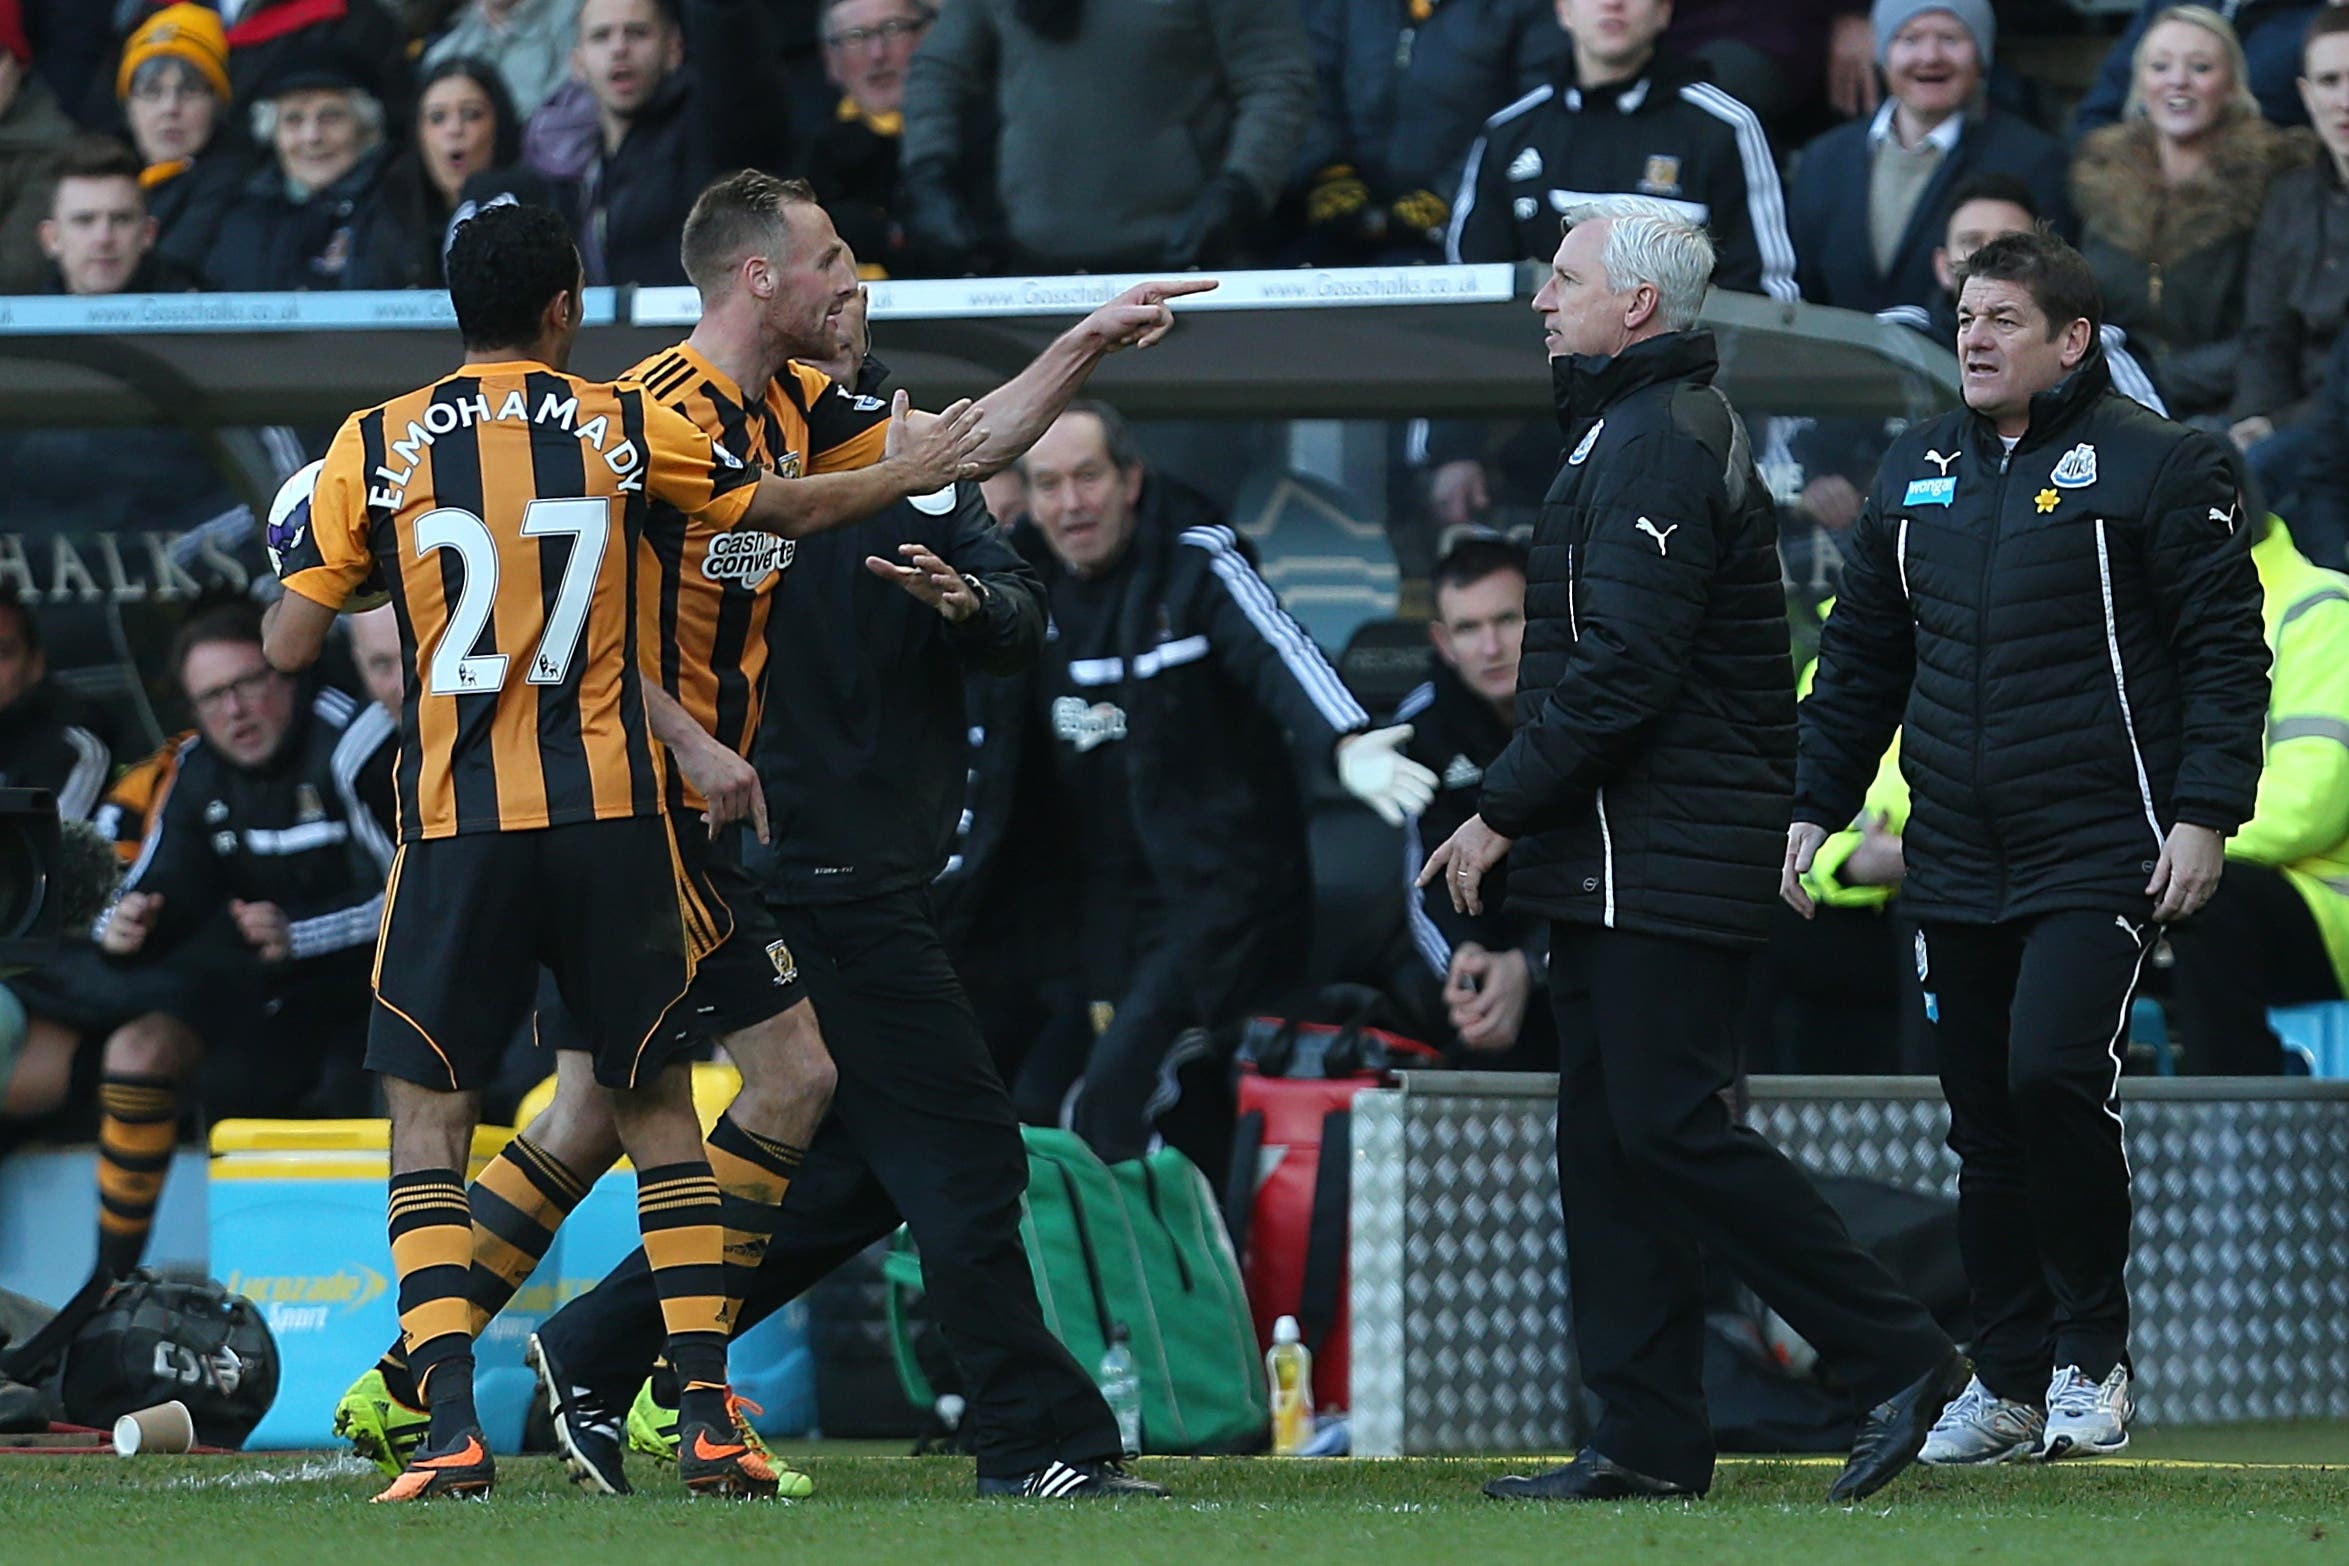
<point x="87" y="992"/>
<point x="279" y="1039"/>
<point x="750" y="977"/>
<point x="210" y="980"/>
<point x="610" y="908"/>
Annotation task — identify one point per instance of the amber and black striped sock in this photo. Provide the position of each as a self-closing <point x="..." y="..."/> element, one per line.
<point x="432" y="1250"/>
<point x="677" y="1210"/>
<point x="521" y="1199"/>
<point x="518" y="1203"/>
<point x="138" y="1124"/>
<point x="753" y="1173"/>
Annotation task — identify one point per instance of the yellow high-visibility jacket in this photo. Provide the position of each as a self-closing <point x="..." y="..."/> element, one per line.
<point x="2300" y="824"/>
<point x="1888" y="796"/>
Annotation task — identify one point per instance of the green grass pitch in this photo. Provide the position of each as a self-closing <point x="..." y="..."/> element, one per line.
<point x="2198" y="1498"/>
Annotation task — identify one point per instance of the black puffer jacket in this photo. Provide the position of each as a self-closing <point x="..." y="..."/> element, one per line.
<point x="2068" y="638"/>
<point x="1649" y="775"/>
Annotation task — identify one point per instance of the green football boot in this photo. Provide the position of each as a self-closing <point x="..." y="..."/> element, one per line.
<point x="379" y="1426"/>
<point x="652" y="1430"/>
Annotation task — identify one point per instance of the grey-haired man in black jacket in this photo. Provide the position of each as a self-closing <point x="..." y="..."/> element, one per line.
<point x="1640" y="804"/>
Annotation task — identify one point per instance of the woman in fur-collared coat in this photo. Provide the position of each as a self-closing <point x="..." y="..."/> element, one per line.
<point x="2168" y="199"/>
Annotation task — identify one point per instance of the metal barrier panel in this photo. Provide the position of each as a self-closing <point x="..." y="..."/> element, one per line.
<point x="2239" y="1277"/>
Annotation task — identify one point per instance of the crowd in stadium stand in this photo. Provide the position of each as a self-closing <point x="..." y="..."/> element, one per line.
<point x="1842" y="153"/>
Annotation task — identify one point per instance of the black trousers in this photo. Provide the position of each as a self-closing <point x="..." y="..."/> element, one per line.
<point x="921" y="1128"/>
<point x="1652" y="1169"/>
<point x="1830" y="995"/>
<point x="2252" y="946"/>
<point x="2029" y="1019"/>
<point x="1119" y="1097"/>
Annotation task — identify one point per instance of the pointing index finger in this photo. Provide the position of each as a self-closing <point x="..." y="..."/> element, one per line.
<point x="1175" y="288"/>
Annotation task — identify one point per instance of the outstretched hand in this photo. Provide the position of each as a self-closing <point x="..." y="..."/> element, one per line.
<point x="929" y="578"/>
<point x="1141" y="316"/>
<point x="938" y="449"/>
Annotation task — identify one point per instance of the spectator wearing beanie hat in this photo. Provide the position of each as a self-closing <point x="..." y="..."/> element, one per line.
<point x="1868" y="196"/>
<point x="173" y="84"/>
<point x="32" y="129"/>
<point x="264" y="36"/>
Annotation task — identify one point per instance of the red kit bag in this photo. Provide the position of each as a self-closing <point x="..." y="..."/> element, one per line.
<point x="1285" y="1202"/>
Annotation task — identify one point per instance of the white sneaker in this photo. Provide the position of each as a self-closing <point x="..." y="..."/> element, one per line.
<point x="2087" y="1418"/>
<point x="1982" y="1427"/>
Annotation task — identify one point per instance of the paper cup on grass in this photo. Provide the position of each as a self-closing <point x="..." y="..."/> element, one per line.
<point x="164" y="1428"/>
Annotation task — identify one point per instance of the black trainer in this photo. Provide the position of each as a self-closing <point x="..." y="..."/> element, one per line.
<point x="587" y="1431"/>
<point x="1894" y="1431"/>
<point x="1590" y="1477"/>
<point x="1058" y="1481"/>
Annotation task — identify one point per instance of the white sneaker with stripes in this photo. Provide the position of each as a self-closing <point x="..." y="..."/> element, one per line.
<point x="2087" y="1418"/>
<point x="1981" y="1427"/>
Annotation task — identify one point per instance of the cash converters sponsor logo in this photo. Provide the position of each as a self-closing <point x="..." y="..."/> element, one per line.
<point x="306" y="1302"/>
<point x="746" y="557"/>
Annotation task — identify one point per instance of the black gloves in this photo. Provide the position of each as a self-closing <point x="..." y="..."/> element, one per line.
<point x="1348" y="223"/>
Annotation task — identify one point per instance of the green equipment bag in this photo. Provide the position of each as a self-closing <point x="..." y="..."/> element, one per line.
<point x="1216" y="1376"/>
<point x="1143" y="1245"/>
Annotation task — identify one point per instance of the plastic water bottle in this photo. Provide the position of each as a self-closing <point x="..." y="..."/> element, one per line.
<point x="1288" y="1373"/>
<point x="1121" y="1388"/>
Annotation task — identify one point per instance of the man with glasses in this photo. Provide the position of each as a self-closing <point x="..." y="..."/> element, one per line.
<point x="234" y="965"/>
<point x="868" y="45"/>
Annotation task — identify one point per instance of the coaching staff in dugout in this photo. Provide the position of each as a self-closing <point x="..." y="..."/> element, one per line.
<point x="2050" y="593"/>
<point x="1640" y="804"/>
<point x="1490" y="971"/>
<point x="237" y="955"/>
<point x="1173" y="713"/>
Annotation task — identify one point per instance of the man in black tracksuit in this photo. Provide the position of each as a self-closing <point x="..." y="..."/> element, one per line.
<point x="1166" y="731"/>
<point x="861" y="754"/>
<point x="1643" y="793"/>
<point x="2049" y="594"/>
<point x="238" y="952"/>
<point x="1482" y="979"/>
<point x="1626" y="119"/>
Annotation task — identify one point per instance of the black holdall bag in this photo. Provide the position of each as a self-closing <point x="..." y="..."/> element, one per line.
<point x="154" y="1341"/>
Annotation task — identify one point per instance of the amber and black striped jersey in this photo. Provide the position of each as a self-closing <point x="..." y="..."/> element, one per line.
<point x="503" y="506"/>
<point x="130" y="804"/>
<point x="706" y="620"/>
